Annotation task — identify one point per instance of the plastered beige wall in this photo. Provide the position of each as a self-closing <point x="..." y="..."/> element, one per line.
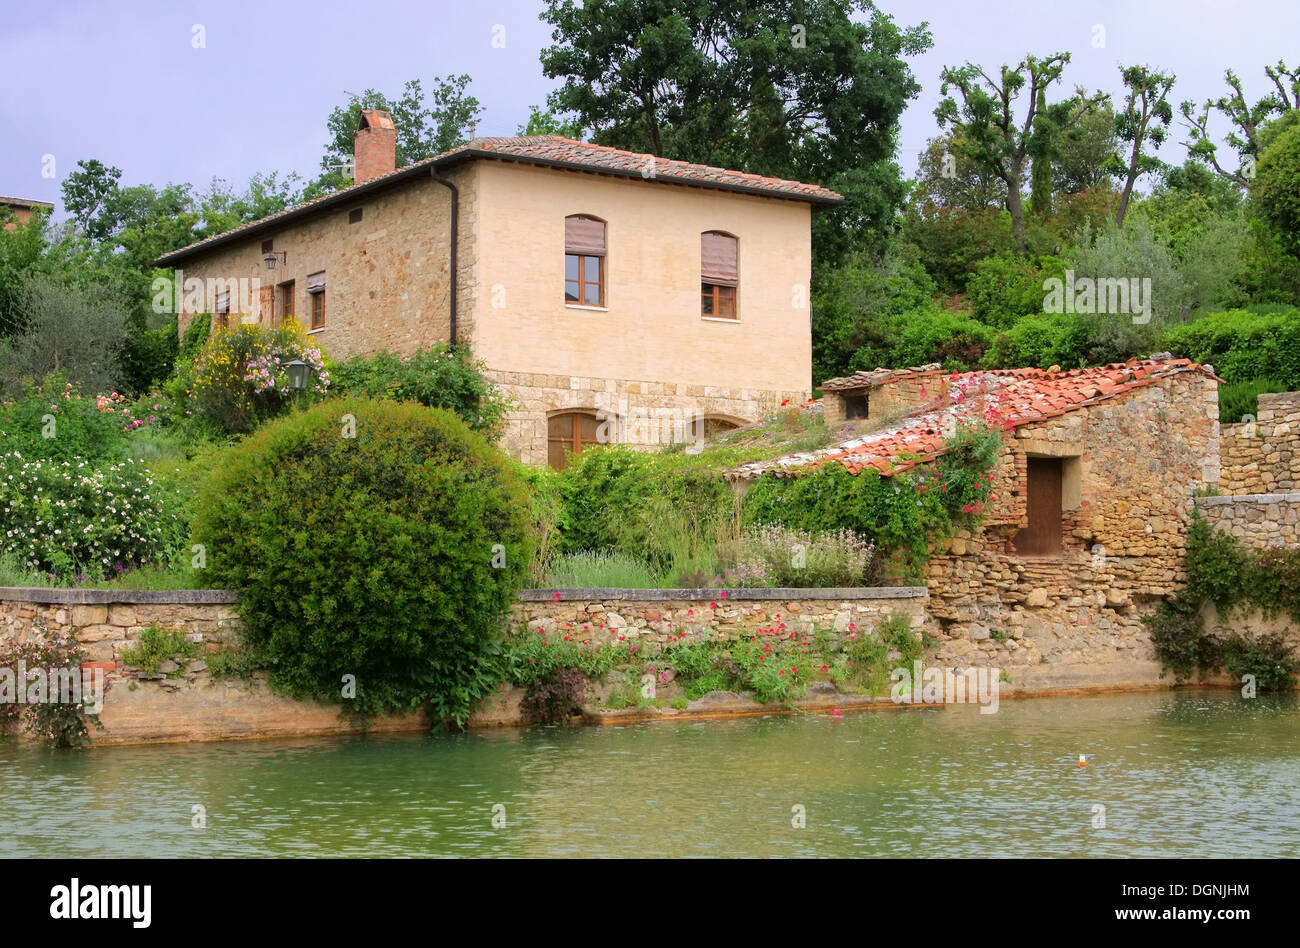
<point x="652" y="330"/>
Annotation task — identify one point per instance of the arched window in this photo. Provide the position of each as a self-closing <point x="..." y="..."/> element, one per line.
<point x="584" y="260"/>
<point x="719" y="274"/>
<point x="569" y="433"/>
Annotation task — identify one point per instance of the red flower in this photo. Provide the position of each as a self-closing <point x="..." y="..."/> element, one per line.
<point x="555" y="597"/>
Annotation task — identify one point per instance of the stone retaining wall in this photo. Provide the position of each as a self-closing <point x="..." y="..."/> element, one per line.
<point x="1263" y="456"/>
<point x="661" y="615"/>
<point x="1041" y="632"/>
<point x="183" y="704"/>
<point x="1258" y="520"/>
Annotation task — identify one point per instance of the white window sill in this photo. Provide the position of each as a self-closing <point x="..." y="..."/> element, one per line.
<point x="594" y="309"/>
<point x="312" y="332"/>
<point x="720" y="319"/>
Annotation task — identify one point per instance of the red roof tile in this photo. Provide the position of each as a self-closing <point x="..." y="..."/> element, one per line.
<point x="1010" y="397"/>
<point x="548" y="150"/>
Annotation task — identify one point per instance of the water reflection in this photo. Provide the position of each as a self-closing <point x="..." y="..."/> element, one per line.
<point x="1187" y="773"/>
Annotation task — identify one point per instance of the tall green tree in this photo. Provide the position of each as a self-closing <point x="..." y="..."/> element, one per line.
<point x="1245" y="120"/>
<point x="946" y="178"/>
<point x="546" y="122"/>
<point x="792" y="88"/>
<point x="1085" y="154"/>
<point x="1041" y="155"/>
<point x="982" y="117"/>
<point x="1275" y="192"/>
<point x="1144" y="119"/>
<point x="424" y="128"/>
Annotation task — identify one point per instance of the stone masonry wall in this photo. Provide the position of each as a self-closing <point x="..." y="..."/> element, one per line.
<point x="543" y="395"/>
<point x="1258" y="520"/>
<point x="1263" y="457"/>
<point x="661" y="615"/>
<point x="1074" y="619"/>
<point x="386" y="277"/>
<point x="183" y="702"/>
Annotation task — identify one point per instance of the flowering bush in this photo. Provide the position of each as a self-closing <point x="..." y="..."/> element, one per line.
<point x="239" y="379"/>
<point x="773" y="554"/>
<point x="56" y="722"/>
<point x="152" y="410"/>
<point x="66" y="517"/>
<point x="53" y="420"/>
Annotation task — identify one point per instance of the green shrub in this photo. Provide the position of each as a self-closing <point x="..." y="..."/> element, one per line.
<point x="954" y="340"/>
<point x="900" y="513"/>
<point x="1243" y="346"/>
<point x="617" y="497"/>
<point x="71" y="518"/>
<point x="1007" y="287"/>
<point x="389" y="551"/>
<point x="1222" y="571"/>
<point x="157" y="645"/>
<point x="1041" y="342"/>
<point x="1239" y="399"/>
<point x="436" y="377"/>
<point x="855" y="304"/>
<point x="56" y="422"/>
<point x="600" y="569"/>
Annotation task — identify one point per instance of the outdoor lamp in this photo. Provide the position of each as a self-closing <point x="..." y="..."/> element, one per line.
<point x="270" y="259"/>
<point x="297" y="374"/>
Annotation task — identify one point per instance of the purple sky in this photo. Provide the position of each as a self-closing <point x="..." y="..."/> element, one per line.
<point x="122" y="81"/>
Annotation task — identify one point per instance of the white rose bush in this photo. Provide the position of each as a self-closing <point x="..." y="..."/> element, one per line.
<point x="82" y="519"/>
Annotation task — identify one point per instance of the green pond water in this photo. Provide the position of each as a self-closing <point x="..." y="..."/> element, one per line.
<point x="1201" y="773"/>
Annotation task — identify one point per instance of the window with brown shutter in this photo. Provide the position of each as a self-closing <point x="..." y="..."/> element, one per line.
<point x="584" y="260"/>
<point x="316" y="293"/>
<point x="719" y="274"/>
<point x="569" y="433"/>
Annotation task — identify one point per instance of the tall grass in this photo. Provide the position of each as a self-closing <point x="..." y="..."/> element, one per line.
<point x="600" y="569"/>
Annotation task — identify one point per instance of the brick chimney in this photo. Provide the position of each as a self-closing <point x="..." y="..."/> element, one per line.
<point x="374" y="147"/>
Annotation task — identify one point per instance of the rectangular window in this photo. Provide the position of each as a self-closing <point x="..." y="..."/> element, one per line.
<point x="719" y="275"/>
<point x="316" y="294"/>
<point x="584" y="261"/>
<point x="719" y="301"/>
<point x="1043" y="535"/>
<point x="584" y="279"/>
<point x="286" y="300"/>
<point x="354" y="216"/>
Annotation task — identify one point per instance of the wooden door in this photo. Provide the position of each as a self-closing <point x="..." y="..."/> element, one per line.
<point x="1043" y="535"/>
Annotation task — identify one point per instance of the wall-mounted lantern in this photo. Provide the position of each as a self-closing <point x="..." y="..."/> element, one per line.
<point x="269" y="259"/>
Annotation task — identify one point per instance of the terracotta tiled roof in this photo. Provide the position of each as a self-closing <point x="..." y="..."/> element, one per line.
<point x="551" y="151"/>
<point x="24" y="202"/>
<point x="1008" y="397"/>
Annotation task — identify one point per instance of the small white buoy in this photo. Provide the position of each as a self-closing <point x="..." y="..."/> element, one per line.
<point x="1083" y="760"/>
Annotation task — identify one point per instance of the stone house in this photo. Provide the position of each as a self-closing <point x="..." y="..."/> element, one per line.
<point x="1087" y="520"/>
<point x="596" y="285"/>
<point x="22" y="209"/>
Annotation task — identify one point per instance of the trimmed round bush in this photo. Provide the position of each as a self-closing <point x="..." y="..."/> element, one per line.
<point x="375" y="539"/>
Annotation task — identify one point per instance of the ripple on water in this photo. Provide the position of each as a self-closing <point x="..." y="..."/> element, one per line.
<point x="1182" y="774"/>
